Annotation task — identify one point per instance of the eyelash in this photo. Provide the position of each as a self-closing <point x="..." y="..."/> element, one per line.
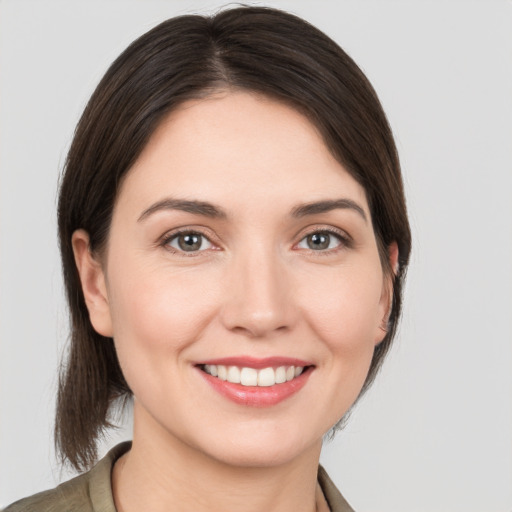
<point x="345" y="241"/>
<point x="168" y="238"/>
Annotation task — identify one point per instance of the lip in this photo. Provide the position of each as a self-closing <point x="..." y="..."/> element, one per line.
<point x="257" y="396"/>
<point x="256" y="363"/>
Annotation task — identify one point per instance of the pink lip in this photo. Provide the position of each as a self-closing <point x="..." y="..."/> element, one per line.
<point x="256" y="396"/>
<point x="257" y="363"/>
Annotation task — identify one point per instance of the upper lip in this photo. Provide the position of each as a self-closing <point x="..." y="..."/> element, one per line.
<point x="255" y="362"/>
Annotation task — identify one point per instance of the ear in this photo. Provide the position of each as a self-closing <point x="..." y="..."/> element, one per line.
<point x="386" y="298"/>
<point x="94" y="287"/>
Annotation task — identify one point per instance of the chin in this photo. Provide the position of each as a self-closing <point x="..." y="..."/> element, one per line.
<point x="261" y="443"/>
<point x="262" y="455"/>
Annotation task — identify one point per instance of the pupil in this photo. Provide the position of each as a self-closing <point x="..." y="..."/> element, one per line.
<point x="318" y="241"/>
<point x="189" y="242"/>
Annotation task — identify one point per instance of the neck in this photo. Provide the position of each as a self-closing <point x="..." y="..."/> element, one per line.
<point x="161" y="473"/>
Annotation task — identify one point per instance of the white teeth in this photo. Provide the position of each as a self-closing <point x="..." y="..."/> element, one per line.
<point x="252" y="377"/>
<point x="266" y="377"/>
<point x="222" y="373"/>
<point x="280" y="375"/>
<point x="248" y="377"/>
<point x="234" y="375"/>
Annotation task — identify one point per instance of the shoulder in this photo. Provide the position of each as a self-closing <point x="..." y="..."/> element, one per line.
<point x="89" y="492"/>
<point x="69" y="496"/>
<point x="335" y="501"/>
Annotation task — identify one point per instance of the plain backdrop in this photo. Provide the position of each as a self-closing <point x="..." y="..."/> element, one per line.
<point x="435" y="432"/>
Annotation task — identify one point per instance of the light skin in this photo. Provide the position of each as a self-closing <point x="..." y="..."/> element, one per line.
<point x="285" y="264"/>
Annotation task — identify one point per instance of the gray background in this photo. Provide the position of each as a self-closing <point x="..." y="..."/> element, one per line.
<point x="435" y="432"/>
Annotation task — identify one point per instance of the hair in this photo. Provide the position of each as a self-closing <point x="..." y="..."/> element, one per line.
<point x="257" y="49"/>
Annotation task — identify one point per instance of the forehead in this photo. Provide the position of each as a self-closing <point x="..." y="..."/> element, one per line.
<point x="240" y="149"/>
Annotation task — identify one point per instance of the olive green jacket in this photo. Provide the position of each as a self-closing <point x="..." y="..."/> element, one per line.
<point x="92" y="491"/>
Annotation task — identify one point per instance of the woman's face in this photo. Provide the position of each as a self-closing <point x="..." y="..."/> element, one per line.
<point x="239" y="248"/>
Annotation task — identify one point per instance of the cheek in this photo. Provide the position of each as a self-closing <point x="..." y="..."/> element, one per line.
<point x="345" y="309"/>
<point x="339" y="311"/>
<point x="158" y="313"/>
<point x="345" y="315"/>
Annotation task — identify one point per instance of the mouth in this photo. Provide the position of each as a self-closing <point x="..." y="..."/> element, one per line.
<point x="247" y="376"/>
<point x="258" y="383"/>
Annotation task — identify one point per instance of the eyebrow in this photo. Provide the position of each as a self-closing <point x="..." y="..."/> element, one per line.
<point x="327" y="206"/>
<point x="210" y="210"/>
<point x="184" y="205"/>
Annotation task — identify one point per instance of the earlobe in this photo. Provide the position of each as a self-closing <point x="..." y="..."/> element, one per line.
<point x="94" y="288"/>
<point x="387" y="292"/>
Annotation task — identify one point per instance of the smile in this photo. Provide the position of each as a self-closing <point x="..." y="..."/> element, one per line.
<point x="247" y="376"/>
<point x="256" y="382"/>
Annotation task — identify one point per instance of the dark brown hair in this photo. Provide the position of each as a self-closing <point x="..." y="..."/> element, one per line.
<point x="251" y="48"/>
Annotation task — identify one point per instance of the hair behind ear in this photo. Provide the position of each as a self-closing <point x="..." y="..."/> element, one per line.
<point x="90" y="380"/>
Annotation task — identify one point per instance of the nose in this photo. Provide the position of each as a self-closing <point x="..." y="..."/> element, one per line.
<point x="258" y="296"/>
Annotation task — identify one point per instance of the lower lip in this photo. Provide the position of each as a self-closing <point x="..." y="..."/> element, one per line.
<point x="257" y="396"/>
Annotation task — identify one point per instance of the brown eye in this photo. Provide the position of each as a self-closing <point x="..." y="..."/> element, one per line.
<point x="189" y="242"/>
<point x="320" y="241"/>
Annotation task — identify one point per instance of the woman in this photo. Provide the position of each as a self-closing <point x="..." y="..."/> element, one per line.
<point x="234" y="241"/>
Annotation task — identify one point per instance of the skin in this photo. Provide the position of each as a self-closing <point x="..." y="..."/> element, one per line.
<point x="255" y="288"/>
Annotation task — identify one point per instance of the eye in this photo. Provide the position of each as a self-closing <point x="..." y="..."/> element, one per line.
<point x="321" y="241"/>
<point x="188" y="241"/>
